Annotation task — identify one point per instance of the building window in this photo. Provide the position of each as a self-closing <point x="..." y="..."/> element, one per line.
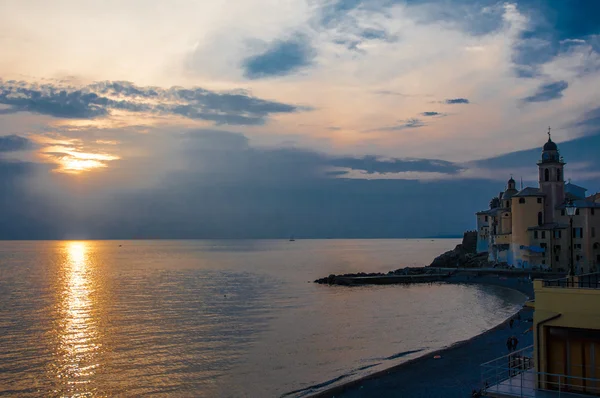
<point x="558" y="175"/>
<point x="593" y="232"/>
<point x="577" y="257"/>
<point x="592" y="211"/>
<point x="557" y="234"/>
<point x="535" y="234"/>
<point x="507" y="203"/>
<point x="562" y="212"/>
<point x="543" y="234"/>
<point x="546" y="175"/>
<point x="486" y="218"/>
<point x="540" y="220"/>
<point x="543" y="245"/>
<point x="557" y="258"/>
<point x="521" y="200"/>
<point x="539" y="200"/>
<point x="578" y="232"/>
<point x="576" y="212"/>
<point x="543" y="262"/>
<point x="556" y="248"/>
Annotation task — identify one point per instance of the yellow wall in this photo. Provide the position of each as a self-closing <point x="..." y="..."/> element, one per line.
<point x="578" y="308"/>
<point x="503" y="239"/>
<point x="525" y="215"/>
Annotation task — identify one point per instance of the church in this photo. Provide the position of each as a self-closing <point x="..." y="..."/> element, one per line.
<point x="530" y="227"/>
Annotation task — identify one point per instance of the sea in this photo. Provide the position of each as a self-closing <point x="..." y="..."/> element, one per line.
<point x="227" y="318"/>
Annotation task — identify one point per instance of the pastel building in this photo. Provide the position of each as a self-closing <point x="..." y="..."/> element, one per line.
<point x="529" y="228"/>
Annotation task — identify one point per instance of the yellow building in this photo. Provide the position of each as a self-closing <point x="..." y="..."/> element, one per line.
<point x="565" y="357"/>
<point x="529" y="228"/>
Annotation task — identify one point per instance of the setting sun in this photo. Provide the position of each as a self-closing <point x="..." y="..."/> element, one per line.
<point x="70" y="158"/>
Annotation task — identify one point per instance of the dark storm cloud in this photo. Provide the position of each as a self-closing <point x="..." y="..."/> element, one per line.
<point x="452" y="101"/>
<point x="548" y="92"/>
<point x="12" y="143"/>
<point x="282" y="58"/>
<point x="99" y="99"/>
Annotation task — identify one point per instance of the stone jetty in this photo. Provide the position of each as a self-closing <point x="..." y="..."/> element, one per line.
<point x="461" y="264"/>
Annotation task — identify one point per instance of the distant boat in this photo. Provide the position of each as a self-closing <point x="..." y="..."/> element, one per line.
<point x="292" y="239"/>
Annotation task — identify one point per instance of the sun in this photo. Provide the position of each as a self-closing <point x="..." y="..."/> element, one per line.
<point x="73" y="165"/>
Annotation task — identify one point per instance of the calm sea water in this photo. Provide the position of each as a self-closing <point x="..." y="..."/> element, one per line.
<point x="220" y="318"/>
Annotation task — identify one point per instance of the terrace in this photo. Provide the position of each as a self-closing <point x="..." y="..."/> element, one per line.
<point x="514" y="375"/>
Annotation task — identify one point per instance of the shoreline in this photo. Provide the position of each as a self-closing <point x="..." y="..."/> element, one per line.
<point x="523" y="287"/>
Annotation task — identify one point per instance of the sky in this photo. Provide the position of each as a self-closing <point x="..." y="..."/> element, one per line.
<point x="271" y="118"/>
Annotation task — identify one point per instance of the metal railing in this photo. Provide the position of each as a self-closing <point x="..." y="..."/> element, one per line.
<point x="586" y="281"/>
<point x="515" y="375"/>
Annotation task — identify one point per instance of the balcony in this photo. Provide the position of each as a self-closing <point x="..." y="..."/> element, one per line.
<point x="514" y="375"/>
<point x="587" y="281"/>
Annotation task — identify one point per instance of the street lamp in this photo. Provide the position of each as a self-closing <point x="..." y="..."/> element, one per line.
<point x="570" y="209"/>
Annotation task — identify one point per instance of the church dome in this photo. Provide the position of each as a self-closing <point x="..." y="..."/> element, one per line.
<point x="550" y="146"/>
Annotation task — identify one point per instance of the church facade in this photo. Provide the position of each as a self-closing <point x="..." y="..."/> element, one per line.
<point x="529" y="227"/>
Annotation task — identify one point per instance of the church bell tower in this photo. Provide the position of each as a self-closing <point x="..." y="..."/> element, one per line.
<point x="551" y="178"/>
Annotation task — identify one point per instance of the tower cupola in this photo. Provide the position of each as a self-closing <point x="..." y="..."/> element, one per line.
<point x="551" y="178"/>
<point x="550" y="152"/>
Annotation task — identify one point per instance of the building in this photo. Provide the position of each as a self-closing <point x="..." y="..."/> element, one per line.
<point x="529" y="228"/>
<point x="564" y="360"/>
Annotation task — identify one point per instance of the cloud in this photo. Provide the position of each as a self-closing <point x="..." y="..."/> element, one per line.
<point x="554" y="28"/>
<point x="13" y="143"/>
<point x="245" y="191"/>
<point x="457" y="101"/>
<point x="377" y="34"/>
<point x="101" y="98"/>
<point x="408" y="124"/>
<point x="548" y="92"/>
<point x="283" y="57"/>
<point x="373" y="164"/>
<point x="590" y="120"/>
<point x="429" y="114"/>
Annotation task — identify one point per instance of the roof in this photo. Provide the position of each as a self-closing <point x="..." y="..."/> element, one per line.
<point x="529" y="191"/>
<point x="497" y="210"/>
<point x="570" y="184"/>
<point x="548" y="227"/>
<point x="484" y="212"/>
<point x="509" y="193"/>
<point x="582" y="204"/>
<point x="550" y="145"/>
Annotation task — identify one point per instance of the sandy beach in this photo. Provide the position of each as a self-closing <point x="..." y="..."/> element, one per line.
<point x="457" y="372"/>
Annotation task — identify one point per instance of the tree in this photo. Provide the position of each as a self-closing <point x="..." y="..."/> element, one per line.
<point x="494" y="203"/>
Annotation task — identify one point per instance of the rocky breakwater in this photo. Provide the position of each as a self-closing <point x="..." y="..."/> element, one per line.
<point x="403" y="275"/>
<point x="464" y="255"/>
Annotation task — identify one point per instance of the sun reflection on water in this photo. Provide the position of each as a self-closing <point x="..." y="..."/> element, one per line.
<point x="78" y="330"/>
